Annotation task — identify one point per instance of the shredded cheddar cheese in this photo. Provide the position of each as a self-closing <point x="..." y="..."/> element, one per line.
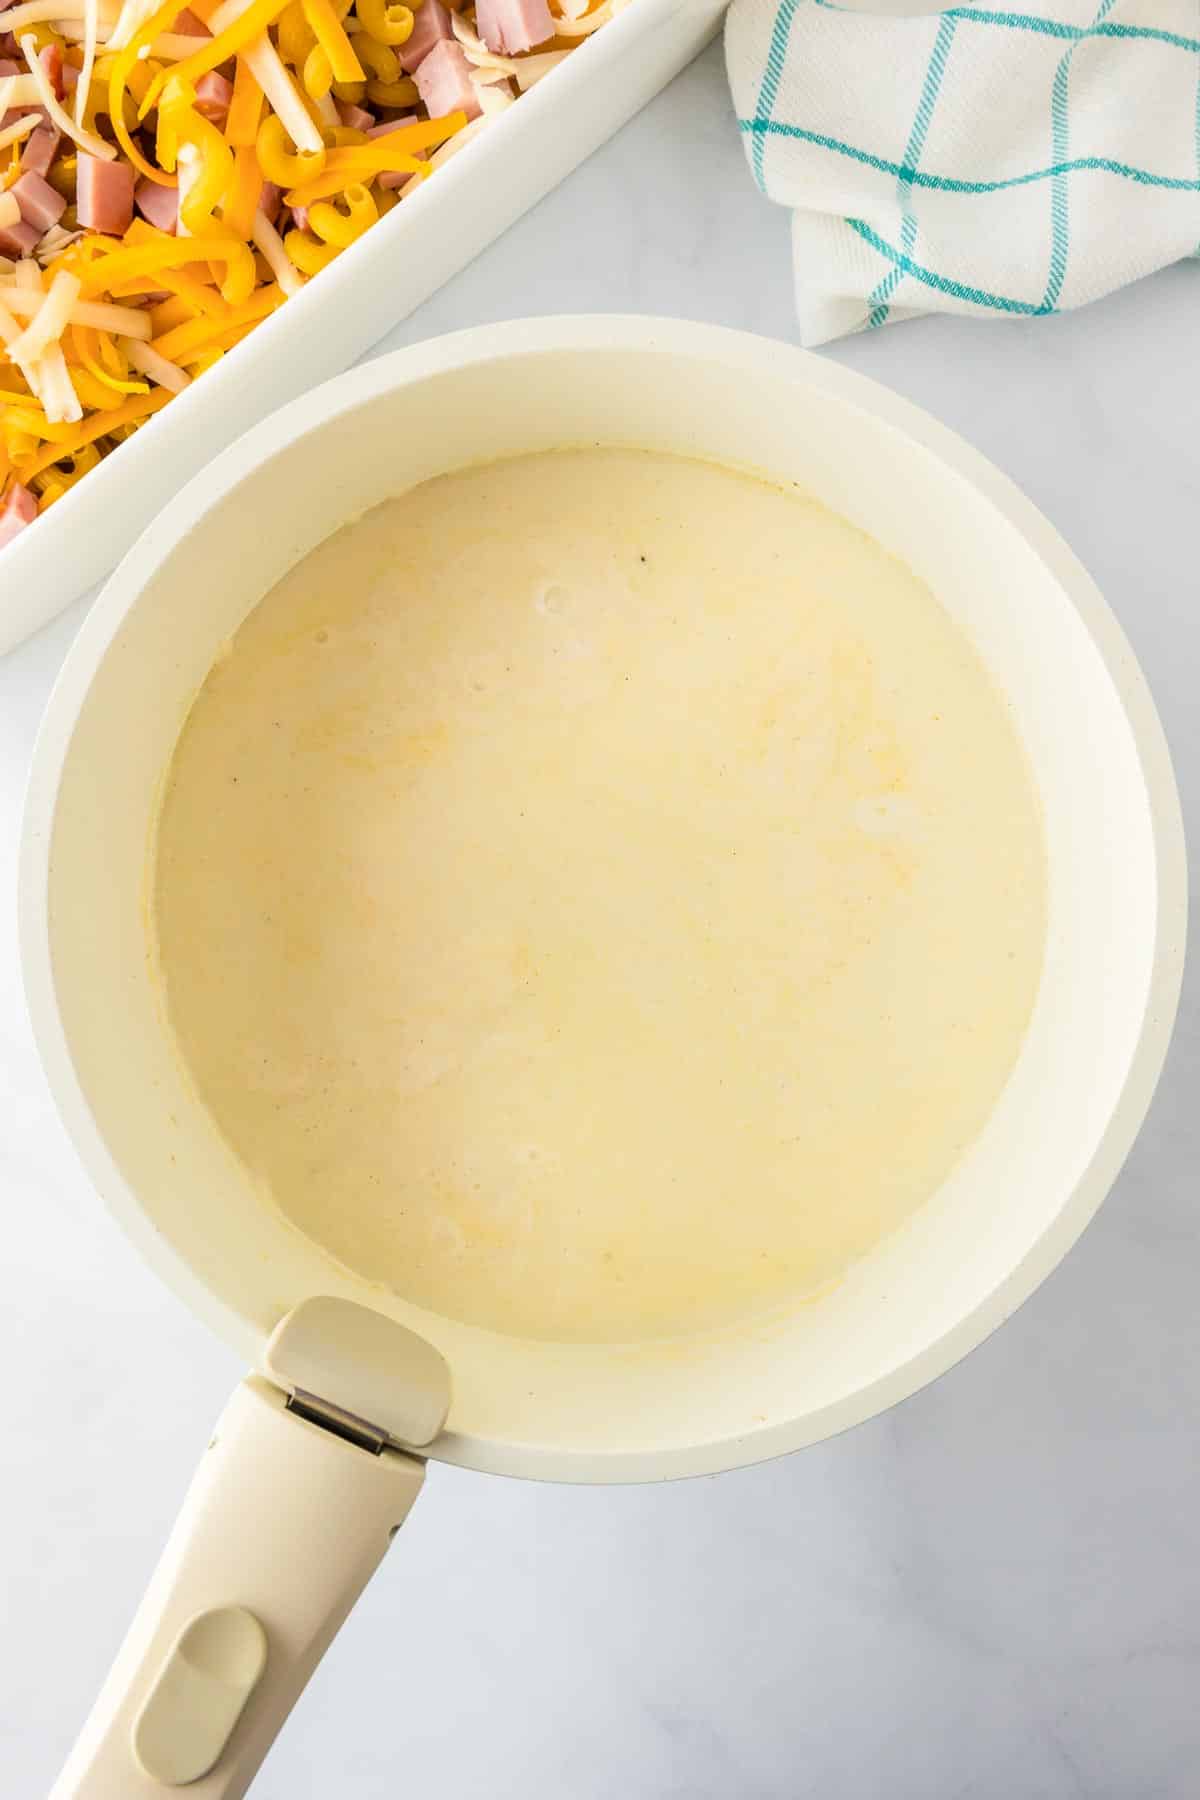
<point x="245" y="108"/>
<point x="327" y="29"/>
<point x="93" y="361"/>
<point x="99" y="425"/>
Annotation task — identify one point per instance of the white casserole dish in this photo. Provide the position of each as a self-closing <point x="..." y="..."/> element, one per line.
<point x="406" y="258"/>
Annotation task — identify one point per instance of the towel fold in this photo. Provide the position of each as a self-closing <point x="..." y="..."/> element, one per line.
<point x="979" y="160"/>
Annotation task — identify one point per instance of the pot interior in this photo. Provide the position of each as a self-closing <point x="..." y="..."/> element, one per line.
<point x="1027" y="1184"/>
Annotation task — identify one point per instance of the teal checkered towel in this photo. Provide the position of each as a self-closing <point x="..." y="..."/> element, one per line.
<point x="976" y="160"/>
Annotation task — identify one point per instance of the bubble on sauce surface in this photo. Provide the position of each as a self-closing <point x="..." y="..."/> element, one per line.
<point x="886" y="815"/>
<point x="552" y="600"/>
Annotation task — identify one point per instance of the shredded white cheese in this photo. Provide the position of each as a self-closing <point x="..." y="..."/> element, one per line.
<point x="132" y="17"/>
<point x="56" y="13"/>
<point x="149" y="362"/>
<point x="54" y="242"/>
<point x="224" y="15"/>
<point x="267" y="68"/>
<point x="10" y="331"/>
<point x="21" y="128"/>
<point x="476" y="51"/>
<point x="33" y="382"/>
<point x="584" y="24"/>
<point x="494" y="93"/>
<point x="91" y="25"/>
<point x="60" y="402"/>
<point x="10" y="212"/>
<point x="173" y="46"/>
<point x="18" y="90"/>
<point x="188" y="169"/>
<point x="27" y="287"/>
<point x="459" y="141"/>
<point x="49" y="321"/>
<point x="266" y="239"/>
<point x="531" y="69"/>
<point x="101" y="315"/>
<point x="87" y="140"/>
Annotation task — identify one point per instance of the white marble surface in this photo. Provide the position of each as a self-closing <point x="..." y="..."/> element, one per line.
<point x="992" y="1592"/>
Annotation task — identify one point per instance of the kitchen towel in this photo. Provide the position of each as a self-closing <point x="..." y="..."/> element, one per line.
<point x="983" y="161"/>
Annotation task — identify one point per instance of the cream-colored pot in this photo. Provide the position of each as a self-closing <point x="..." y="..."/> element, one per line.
<point x="287" y="1516"/>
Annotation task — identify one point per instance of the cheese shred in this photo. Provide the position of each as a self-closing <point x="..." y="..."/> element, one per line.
<point x="87" y="140"/>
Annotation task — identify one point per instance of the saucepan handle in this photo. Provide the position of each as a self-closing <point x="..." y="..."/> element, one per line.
<point x="281" y="1528"/>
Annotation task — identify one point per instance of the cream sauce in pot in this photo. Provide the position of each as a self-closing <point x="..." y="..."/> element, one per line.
<point x="599" y="895"/>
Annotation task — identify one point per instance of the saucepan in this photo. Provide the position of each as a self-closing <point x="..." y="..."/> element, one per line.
<point x="323" y="1447"/>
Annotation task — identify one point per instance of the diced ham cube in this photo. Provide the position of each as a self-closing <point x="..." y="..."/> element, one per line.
<point x="103" y="195"/>
<point x="356" y="117"/>
<point x="51" y="60"/>
<point x="19" y="239"/>
<point x="158" y="205"/>
<point x="70" y="77"/>
<point x="39" y="150"/>
<point x="213" y="94"/>
<point x="444" y="82"/>
<point x="9" y="66"/>
<point x="510" y="26"/>
<point x="27" y="112"/>
<point x="188" y="25"/>
<point x="431" y="23"/>
<point x="269" y="201"/>
<point x="18" y="511"/>
<point x="300" y="217"/>
<point x="41" y="205"/>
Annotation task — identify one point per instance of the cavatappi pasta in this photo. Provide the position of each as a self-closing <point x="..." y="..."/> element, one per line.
<point x="171" y="173"/>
